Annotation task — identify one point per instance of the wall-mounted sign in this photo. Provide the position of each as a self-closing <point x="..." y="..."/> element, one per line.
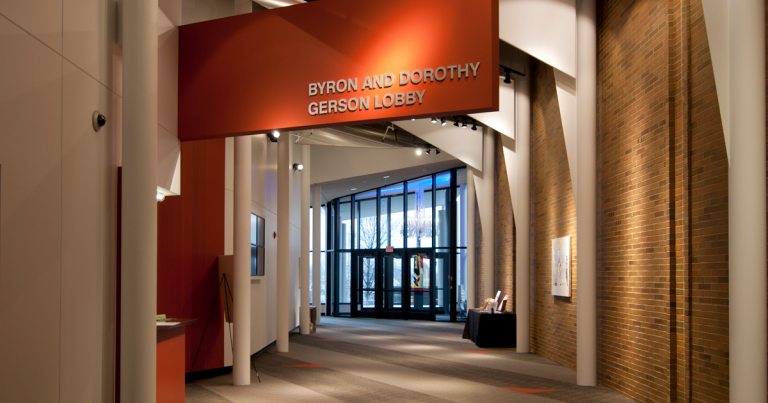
<point x="337" y="62"/>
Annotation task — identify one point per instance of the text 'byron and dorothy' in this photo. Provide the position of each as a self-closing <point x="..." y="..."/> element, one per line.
<point x="383" y="81"/>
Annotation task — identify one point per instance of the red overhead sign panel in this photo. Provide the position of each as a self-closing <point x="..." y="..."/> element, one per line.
<point x="337" y="62"/>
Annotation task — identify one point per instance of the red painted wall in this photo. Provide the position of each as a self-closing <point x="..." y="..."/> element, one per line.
<point x="190" y="233"/>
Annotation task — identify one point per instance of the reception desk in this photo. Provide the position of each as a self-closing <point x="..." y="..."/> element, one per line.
<point x="170" y="359"/>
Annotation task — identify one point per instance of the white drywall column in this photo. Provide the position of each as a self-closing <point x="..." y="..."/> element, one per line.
<point x="471" y="250"/>
<point x="316" y="252"/>
<point x="486" y="205"/>
<point x="586" y="198"/>
<point x="746" y="195"/>
<point x="305" y="257"/>
<point x="241" y="293"/>
<point x="284" y="294"/>
<point x="139" y="222"/>
<point x="522" y="216"/>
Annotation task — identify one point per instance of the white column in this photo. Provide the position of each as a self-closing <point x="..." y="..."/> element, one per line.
<point x="486" y="201"/>
<point x="471" y="250"/>
<point x="305" y="257"/>
<point x="586" y="197"/>
<point x="284" y="294"/>
<point x="139" y="221"/>
<point x="241" y="370"/>
<point x="523" y="205"/>
<point x="317" y="253"/>
<point x="746" y="196"/>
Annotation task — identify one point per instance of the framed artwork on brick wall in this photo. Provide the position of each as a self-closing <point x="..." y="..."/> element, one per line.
<point x="561" y="267"/>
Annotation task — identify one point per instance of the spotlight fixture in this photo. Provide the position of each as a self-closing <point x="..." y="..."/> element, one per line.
<point x="507" y="76"/>
<point x="412" y="119"/>
<point x="429" y="151"/>
<point x="456" y="122"/>
<point x="298" y="167"/>
<point x="434" y="120"/>
<point x="273" y="136"/>
<point x="159" y="197"/>
<point x="463" y="124"/>
<point x="442" y="122"/>
<point x="474" y="125"/>
<point x="418" y="151"/>
<point x="437" y="151"/>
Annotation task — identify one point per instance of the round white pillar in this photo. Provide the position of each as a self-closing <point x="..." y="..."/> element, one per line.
<point x="241" y="287"/>
<point x="316" y="249"/>
<point x="746" y="198"/>
<point x="586" y="197"/>
<point x="486" y="204"/>
<point x="471" y="250"/>
<point x="139" y="216"/>
<point x="284" y="294"/>
<point x="305" y="256"/>
<point x="523" y="205"/>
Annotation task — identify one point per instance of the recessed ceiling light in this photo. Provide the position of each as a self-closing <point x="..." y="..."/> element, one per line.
<point x="353" y="189"/>
<point x="386" y="177"/>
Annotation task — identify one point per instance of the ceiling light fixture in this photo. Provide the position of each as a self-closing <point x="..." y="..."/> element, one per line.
<point x="298" y="167"/>
<point x="353" y="189"/>
<point x="463" y="124"/>
<point x="434" y="120"/>
<point x="418" y="151"/>
<point x="507" y="76"/>
<point x="273" y="136"/>
<point x="456" y="121"/>
<point x="442" y="122"/>
<point x="386" y="177"/>
<point x="474" y="125"/>
<point x="159" y="197"/>
<point x="428" y="151"/>
<point x="437" y="151"/>
<point x="412" y="119"/>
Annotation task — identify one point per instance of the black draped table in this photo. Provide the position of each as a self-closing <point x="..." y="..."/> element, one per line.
<point x="491" y="330"/>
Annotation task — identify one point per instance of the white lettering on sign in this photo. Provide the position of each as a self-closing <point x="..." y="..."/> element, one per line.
<point x="381" y="82"/>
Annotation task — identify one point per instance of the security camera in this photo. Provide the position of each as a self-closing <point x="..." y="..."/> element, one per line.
<point x="98" y="120"/>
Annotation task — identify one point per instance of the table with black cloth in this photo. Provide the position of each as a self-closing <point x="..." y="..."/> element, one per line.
<point x="491" y="330"/>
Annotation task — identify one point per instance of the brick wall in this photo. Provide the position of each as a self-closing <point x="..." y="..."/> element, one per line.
<point x="553" y="331"/>
<point x="504" y="230"/>
<point x="662" y="208"/>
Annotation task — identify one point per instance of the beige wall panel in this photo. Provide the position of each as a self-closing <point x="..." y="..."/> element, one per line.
<point x="204" y="10"/>
<point x="167" y="73"/>
<point x="41" y="18"/>
<point x="30" y="211"/>
<point x="87" y="268"/>
<point x="90" y="33"/>
<point x="229" y="222"/>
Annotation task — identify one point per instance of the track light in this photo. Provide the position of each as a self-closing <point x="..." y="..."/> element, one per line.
<point x="428" y="151"/>
<point x="474" y="125"/>
<point x="298" y="167"/>
<point x="456" y="122"/>
<point x="159" y="197"/>
<point x="418" y="151"/>
<point x="437" y="151"/>
<point x="412" y="119"/>
<point x="434" y="120"/>
<point x="273" y="136"/>
<point x="463" y="124"/>
<point x="507" y="76"/>
<point x="442" y="122"/>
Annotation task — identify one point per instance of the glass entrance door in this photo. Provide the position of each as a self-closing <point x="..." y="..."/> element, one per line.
<point x="421" y="272"/>
<point x="443" y="285"/>
<point x="392" y="286"/>
<point x="364" y="280"/>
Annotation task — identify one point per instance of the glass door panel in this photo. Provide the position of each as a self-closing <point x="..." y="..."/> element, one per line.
<point x="443" y="285"/>
<point x="345" y="283"/>
<point x="420" y="282"/>
<point x="366" y="285"/>
<point x="392" y="286"/>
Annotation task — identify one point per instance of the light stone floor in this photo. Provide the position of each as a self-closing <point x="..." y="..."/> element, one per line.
<point x="369" y="360"/>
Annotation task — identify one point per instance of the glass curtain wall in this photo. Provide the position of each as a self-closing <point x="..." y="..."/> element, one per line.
<point x="419" y="222"/>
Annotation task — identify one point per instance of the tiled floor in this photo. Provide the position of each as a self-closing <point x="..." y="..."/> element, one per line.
<point x="369" y="360"/>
